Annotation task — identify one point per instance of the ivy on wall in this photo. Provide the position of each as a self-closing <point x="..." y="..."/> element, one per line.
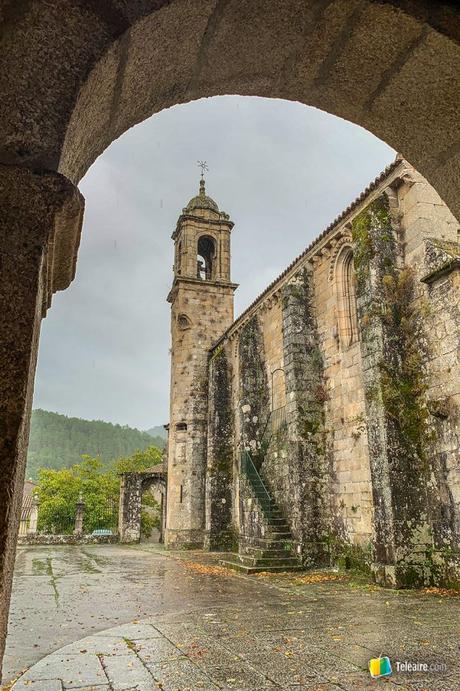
<point x="394" y="304"/>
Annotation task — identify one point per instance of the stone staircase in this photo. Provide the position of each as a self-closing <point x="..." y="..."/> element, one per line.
<point x="274" y="552"/>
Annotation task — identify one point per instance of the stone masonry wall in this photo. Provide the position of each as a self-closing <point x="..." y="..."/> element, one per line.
<point x="253" y="409"/>
<point x="366" y="468"/>
<point x="351" y="509"/>
<point x="413" y="535"/>
<point x="219" y="478"/>
<point x="207" y="306"/>
<point x="306" y="492"/>
<point x="431" y="243"/>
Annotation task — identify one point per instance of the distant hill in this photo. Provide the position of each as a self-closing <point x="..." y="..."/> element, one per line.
<point x="58" y="441"/>
<point x="158" y="432"/>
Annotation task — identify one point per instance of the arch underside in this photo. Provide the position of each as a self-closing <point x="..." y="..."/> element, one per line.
<point x="99" y="68"/>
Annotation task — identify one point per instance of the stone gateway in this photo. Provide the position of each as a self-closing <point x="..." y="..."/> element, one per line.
<point x="322" y="426"/>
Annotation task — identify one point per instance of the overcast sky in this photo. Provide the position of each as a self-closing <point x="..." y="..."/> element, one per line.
<point x="281" y="170"/>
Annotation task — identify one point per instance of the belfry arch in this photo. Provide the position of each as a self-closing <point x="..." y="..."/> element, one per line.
<point x="206" y="251"/>
<point x="73" y="81"/>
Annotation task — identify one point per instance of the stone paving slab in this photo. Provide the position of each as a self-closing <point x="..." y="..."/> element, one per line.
<point x="40" y="685"/>
<point x="127" y="672"/>
<point x="73" y="671"/>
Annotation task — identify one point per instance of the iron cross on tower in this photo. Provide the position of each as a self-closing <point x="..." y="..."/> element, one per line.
<point x="204" y="168"/>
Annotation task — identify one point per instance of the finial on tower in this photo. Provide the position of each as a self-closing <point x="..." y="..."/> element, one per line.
<point x="204" y="168"/>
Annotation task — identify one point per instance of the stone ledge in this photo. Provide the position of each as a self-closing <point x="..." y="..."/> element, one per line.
<point x="47" y="539"/>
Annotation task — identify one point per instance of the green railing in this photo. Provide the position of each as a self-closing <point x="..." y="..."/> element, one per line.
<point x="250" y="466"/>
<point x="250" y="471"/>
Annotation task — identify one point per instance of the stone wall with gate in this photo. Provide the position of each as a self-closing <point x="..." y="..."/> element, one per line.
<point x="132" y="487"/>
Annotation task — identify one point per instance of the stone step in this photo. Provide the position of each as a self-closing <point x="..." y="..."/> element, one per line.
<point x="269" y="509"/>
<point x="242" y="568"/>
<point x="268" y="502"/>
<point x="270" y="543"/>
<point x="279" y="522"/>
<point x="249" y="560"/>
<point x="275" y="534"/>
<point x="269" y="553"/>
<point x="260" y="492"/>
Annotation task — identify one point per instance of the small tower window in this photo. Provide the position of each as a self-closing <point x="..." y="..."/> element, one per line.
<point x="179" y="258"/>
<point x="183" y="322"/>
<point x="206" y="251"/>
<point x="346" y="297"/>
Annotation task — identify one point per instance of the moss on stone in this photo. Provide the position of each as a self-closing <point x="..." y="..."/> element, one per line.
<point x="403" y="381"/>
<point x="347" y="556"/>
<point x="363" y="227"/>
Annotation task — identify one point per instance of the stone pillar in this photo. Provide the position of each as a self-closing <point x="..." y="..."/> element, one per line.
<point x="32" y="530"/>
<point x="392" y="360"/>
<point x="129" y="515"/>
<point x="219" y="478"/>
<point x="305" y="395"/>
<point x="40" y="222"/>
<point x="79" y="516"/>
<point x="374" y="249"/>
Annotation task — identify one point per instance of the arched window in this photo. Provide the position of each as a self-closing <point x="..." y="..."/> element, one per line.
<point x="346" y="297"/>
<point x="206" y="252"/>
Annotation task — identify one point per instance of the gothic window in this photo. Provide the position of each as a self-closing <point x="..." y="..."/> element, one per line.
<point x="206" y="251"/>
<point x="346" y="297"/>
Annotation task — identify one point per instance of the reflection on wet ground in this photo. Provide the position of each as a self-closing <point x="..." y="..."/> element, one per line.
<point x="257" y="632"/>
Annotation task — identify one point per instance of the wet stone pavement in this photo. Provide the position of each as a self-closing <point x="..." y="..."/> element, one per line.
<point x="123" y="617"/>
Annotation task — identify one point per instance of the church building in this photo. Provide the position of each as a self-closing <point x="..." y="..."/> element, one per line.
<point x="322" y="426"/>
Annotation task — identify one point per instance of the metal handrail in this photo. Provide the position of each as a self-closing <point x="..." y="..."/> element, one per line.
<point x="251" y="472"/>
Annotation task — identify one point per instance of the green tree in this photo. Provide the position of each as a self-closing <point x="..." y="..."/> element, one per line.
<point x="59" y="492"/>
<point x="139" y="460"/>
<point x="99" y="485"/>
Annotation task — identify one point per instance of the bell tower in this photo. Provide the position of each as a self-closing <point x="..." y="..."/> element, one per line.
<point x="201" y="310"/>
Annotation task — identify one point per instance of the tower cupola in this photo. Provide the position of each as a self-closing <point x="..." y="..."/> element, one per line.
<point x="201" y="201"/>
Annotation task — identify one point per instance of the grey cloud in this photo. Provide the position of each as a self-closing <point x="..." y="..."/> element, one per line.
<point x="281" y="170"/>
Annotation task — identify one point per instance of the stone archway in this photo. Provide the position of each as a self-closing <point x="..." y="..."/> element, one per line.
<point x="77" y="74"/>
<point x="131" y="489"/>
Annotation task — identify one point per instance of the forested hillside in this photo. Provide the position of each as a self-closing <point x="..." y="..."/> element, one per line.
<point x="58" y="441"/>
<point x="158" y="432"/>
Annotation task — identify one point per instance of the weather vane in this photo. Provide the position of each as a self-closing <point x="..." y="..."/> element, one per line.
<point x="204" y="168"/>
